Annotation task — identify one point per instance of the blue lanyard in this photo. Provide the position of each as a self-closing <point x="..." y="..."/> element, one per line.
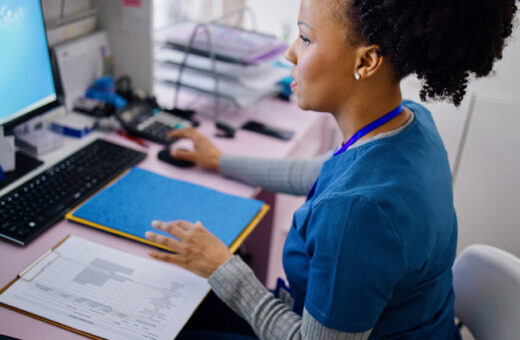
<point x="360" y="134"/>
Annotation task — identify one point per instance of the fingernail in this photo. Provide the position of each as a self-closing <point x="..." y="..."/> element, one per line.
<point x="156" y="224"/>
<point x="148" y="234"/>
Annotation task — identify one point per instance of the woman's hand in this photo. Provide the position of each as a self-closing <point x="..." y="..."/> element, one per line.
<point x="197" y="250"/>
<point x="204" y="154"/>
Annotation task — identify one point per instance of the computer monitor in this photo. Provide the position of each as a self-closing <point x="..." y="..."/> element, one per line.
<point x="27" y="84"/>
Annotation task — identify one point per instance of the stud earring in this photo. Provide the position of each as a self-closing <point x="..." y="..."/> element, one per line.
<point x="357" y="76"/>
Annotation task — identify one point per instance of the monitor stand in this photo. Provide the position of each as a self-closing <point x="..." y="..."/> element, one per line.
<point x="23" y="165"/>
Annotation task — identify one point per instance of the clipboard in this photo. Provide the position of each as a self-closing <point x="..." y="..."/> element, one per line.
<point x="90" y="289"/>
<point x="35" y="316"/>
<point x="139" y="185"/>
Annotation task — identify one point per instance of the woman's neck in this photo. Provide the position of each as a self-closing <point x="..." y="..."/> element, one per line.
<point x="367" y="109"/>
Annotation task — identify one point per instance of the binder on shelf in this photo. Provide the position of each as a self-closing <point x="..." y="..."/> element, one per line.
<point x="67" y="28"/>
<point x="128" y="206"/>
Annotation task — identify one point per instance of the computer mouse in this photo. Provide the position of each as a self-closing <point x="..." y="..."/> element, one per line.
<point x="165" y="156"/>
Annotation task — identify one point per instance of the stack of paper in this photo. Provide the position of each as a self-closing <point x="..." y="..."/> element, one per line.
<point x="229" y="43"/>
<point x="246" y="62"/>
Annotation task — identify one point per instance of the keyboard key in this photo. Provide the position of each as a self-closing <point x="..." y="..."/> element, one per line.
<point x="22" y="232"/>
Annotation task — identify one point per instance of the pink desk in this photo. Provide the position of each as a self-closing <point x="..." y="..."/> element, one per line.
<point x="308" y="127"/>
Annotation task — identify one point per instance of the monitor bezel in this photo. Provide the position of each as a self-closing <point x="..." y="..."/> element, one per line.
<point x="10" y="125"/>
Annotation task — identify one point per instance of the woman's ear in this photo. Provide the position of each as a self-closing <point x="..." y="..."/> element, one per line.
<point x="368" y="62"/>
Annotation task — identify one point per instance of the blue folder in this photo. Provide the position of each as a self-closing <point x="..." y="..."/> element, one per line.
<point x="128" y="206"/>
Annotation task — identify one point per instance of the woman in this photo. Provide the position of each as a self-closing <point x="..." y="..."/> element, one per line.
<point x="370" y="252"/>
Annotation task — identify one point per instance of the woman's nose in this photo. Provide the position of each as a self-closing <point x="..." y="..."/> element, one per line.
<point x="290" y="55"/>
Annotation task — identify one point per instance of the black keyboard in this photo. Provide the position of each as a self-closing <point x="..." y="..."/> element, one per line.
<point x="36" y="205"/>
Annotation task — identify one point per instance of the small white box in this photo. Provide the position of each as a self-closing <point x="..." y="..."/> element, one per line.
<point x="74" y="124"/>
<point x="7" y="153"/>
<point x="39" y="142"/>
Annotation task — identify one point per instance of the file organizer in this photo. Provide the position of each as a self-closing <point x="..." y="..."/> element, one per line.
<point x="128" y="207"/>
<point x="253" y="50"/>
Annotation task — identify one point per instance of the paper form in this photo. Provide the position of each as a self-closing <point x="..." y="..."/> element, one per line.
<point x="108" y="293"/>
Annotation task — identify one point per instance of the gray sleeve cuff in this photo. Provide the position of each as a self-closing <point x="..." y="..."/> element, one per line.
<point x="235" y="282"/>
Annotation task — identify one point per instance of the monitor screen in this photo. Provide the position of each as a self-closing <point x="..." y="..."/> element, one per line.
<point x="26" y="79"/>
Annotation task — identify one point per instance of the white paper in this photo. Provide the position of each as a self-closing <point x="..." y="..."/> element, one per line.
<point x="108" y="293"/>
<point x="228" y="88"/>
<point x="80" y="63"/>
<point x="7" y="153"/>
<point x="251" y="76"/>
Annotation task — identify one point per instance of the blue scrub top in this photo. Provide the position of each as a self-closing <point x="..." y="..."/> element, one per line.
<point x="373" y="248"/>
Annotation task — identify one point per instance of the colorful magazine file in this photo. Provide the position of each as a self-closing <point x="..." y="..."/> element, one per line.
<point x="128" y="206"/>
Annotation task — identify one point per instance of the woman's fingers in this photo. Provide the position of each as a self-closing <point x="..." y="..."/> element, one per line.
<point x="166" y="241"/>
<point x="173" y="228"/>
<point x="185" y="225"/>
<point x="185" y="154"/>
<point x="204" y="154"/>
<point x="197" y="249"/>
<point x="189" y="133"/>
<point x="163" y="256"/>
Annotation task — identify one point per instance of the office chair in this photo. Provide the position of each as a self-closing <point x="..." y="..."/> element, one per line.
<point x="487" y="292"/>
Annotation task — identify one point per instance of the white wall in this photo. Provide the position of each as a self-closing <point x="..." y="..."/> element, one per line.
<point x="273" y="17"/>
<point x="169" y="11"/>
<point x="505" y="83"/>
<point x="276" y="17"/>
<point x="487" y="188"/>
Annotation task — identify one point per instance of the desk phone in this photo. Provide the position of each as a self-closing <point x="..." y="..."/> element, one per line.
<point x="145" y="120"/>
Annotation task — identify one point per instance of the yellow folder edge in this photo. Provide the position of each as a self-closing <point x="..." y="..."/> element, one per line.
<point x="233" y="247"/>
<point x="54" y="323"/>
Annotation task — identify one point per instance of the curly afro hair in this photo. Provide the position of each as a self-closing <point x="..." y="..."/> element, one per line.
<point x="442" y="41"/>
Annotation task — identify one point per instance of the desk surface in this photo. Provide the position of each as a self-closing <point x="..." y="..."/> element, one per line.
<point x="283" y="114"/>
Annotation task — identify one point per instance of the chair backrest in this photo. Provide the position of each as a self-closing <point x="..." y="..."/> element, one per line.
<point x="487" y="292"/>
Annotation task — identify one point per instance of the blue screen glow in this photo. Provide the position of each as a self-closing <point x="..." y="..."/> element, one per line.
<point x="26" y="80"/>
